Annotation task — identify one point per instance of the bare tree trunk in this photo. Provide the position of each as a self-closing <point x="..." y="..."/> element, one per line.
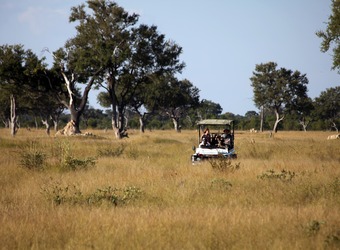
<point x="141" y="123"/>
<point x="47" y="125"/>
<point x="6" y="123"/>
<point x="117" y="126"/>
<point x="55" y="118"/>
<point x="175" y="121"/>
<point x="304" y="124"/>
<point x="36" y="123"/>
<point x="77" y="111"/>
<point x="14" y="118"/>
<point x="278" y="120"/>
<point x="334" y="126"/>
<point x="117" y="119"/>
<point x="75" y="118"/>
<point x="262" y="118"/>
<point x="55" y="125"/>
<point x="142" y="117"/>
<point x="175" y="115"/>
<point x="114" y="105"/>
<point x="114" y="119"/>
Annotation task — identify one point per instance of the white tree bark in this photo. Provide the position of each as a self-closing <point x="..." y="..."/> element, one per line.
<point x="14" y="118"/>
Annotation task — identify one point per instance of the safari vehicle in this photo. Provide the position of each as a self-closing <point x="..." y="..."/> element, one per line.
<point x="217" y="146"/>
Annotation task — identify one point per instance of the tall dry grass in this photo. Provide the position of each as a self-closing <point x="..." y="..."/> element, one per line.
<point x="143" y="193"/>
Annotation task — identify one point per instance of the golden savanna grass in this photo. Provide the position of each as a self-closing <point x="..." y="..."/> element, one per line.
<point x="284" y="195"/>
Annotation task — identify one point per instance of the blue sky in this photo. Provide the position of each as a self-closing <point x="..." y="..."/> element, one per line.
<point x="222" y="40"/>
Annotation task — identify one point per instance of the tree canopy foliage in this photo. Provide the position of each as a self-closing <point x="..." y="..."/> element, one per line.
<point x="331" y="36"/>
<point x="173" y="98"/>
<point x="327" y="106"/>
<point x="20" y="70"/>
<point x="280" y="90"/>
<point x="123" y="56"/>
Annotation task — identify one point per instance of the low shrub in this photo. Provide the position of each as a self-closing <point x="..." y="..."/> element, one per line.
<point x="313" y="227"/>
<point x="60" y="194"/>
<point x="221" y="183"/>
<point x="31" y="157"/>
<point x="272" y="175"/>
<point x="71" y="194"/>
<point x="68" y="162"/>
<point x="111" y="151"/>
<point x="224" y="164"/>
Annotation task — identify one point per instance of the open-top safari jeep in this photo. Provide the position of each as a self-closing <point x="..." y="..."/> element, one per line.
<point x="219" y="142"/>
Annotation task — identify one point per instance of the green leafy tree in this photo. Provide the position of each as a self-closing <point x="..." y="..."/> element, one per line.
<point x="70" y="75"/>
<point x="251" y="119"/>
<point x="93" y="117"/>
<point x="41" y="101"/>
<point x="110" y="44"/>
<point x="331" y="36"/>
<point x="302" y="111"/>
<point x="208" y="109"/>
<point x="5" y="107"/>
<point x="327" y="106"/>
<point x="250" y="114"/>
<point x="228" y="115"/>
<point x="173" y="98"/>
<point x="279" y="90"/>
<point x="19" y="74"/>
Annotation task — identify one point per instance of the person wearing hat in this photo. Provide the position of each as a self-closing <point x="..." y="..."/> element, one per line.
<point x="227" y="138"/>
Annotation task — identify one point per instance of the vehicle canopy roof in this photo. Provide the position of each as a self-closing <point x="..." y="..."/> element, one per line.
<point x="215" y="122"/>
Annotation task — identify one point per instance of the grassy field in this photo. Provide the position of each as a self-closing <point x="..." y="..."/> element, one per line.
<point x="95" y="192"/>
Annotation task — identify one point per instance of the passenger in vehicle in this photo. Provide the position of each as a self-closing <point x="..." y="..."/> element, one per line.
<point x="227" y="139"/>
<point x="206" y="138"/>
<point x="220" y="141"/>
<point x="215" y="140"/>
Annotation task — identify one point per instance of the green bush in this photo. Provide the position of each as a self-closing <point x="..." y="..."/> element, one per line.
<point x="59" y="194"/>
<point x="68" y="162"/>
<point x="31" y="157"/>
<point x="71" y="194"/>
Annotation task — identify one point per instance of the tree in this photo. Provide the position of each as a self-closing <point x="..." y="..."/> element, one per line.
<point x="19" y="72"/>
<point x="278" y="89"/>
<point x="208" y="109"/>
<point x="5" y="107"/>
<point x="327" y="106"/>
<point x="331" y="36"/>
<point x="68" y="94"/>
<point x="137" y="103"/>
<point x="303" y="111"/>
<point x="228" y="115"/>
<point x="124" y="55"/>
<point x="250" y="114"/>
<point x="173" y="98"/>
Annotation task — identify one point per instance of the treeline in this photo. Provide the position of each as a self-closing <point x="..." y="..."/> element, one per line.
<point x="101" y="119"/>
<point x="135" y="69"/>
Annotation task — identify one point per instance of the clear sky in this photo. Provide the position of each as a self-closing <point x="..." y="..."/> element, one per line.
<point x="222" y="40"/>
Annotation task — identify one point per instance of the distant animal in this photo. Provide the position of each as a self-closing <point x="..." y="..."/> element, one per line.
<point x="253" y="130"/>
<point x="332" y="137"/>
